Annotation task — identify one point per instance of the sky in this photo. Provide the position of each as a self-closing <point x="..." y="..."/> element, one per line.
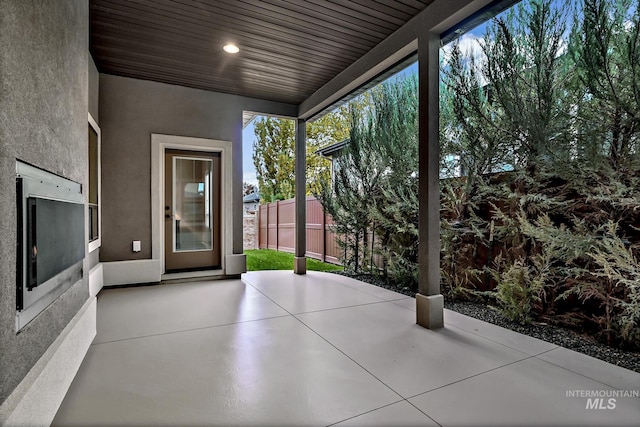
<point x="468" y="41"/>
<point x="248" y="139"/>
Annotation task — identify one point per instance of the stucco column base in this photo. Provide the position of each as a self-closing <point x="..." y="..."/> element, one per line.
<point x="430" y="311"/>
<point x="235" y="264"/>
<point x="300" y="265"/>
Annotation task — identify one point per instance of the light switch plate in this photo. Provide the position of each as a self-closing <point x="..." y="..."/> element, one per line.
<point x="136" y="246"/>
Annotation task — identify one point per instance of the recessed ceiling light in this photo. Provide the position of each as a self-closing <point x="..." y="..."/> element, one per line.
<point x="231" y="48"/>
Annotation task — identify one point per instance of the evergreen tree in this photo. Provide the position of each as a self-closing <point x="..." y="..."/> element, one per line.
<point x="395" y="213"/>
<point x="353" y="190"/>
<point x="527" y="74"/>
<point x="374" y="198"/>
<point x="566" y="219"/>
<point x="605" y="45"/>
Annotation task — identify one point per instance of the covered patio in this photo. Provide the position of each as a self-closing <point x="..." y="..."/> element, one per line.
<point x="261" y="348"/>
<point x="276" y="348"/>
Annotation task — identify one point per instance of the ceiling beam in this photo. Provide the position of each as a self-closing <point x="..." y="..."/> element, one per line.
<point x="439" y="17"/>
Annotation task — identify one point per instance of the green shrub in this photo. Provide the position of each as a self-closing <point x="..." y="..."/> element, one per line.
<point x="614" y="285"/>
<point x="518" y="292"/>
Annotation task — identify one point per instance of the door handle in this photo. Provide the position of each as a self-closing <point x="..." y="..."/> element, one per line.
<point x="167" y="216"/>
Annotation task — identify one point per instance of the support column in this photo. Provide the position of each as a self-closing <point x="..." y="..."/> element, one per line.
<point x="429" y="300"/>
<point x="300" y="261"/>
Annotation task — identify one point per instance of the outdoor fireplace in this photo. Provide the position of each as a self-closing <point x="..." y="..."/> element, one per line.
<point x="50" y="239"/>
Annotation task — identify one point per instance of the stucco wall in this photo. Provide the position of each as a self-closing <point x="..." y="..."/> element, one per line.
<point x="94" y="88"/>
<point x="43" y="121"/>
<point x="130" y="111"/>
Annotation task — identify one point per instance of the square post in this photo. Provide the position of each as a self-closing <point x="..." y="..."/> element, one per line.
<point x="324" y="236"/>
<point x="300" y="261"/>
<point x="277" y="225"/>
<point x="429" y="300"/>
<point x="267" y="225"/>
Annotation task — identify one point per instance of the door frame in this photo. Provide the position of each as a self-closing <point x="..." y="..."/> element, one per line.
<point x="159" y="144"/>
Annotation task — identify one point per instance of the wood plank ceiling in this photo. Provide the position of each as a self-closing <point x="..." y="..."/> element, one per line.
<point x="288" y="48"/>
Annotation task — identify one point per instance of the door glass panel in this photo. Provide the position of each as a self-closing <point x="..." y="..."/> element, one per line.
<point x="192" y="204"/>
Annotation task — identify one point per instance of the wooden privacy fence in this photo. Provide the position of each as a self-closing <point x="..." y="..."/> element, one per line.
<point x="276" y="224"/>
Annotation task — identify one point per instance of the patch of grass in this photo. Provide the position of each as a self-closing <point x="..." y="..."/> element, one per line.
<point x="267" y="259"/>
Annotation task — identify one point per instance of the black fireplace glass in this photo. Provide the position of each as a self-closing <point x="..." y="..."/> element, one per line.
<point x="55" y="238"/>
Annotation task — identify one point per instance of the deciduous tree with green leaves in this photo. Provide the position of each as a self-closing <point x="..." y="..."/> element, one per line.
<point x="273" y="152"/>
<point x="273" y="158"/>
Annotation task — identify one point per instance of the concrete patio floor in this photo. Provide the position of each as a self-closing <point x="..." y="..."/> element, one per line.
<point x="276" y="349"/>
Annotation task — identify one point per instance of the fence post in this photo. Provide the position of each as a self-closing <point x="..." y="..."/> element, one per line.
<point x="267" y="225"/>
<point x="324" y="235"/>
<point x="277" y="225"/>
